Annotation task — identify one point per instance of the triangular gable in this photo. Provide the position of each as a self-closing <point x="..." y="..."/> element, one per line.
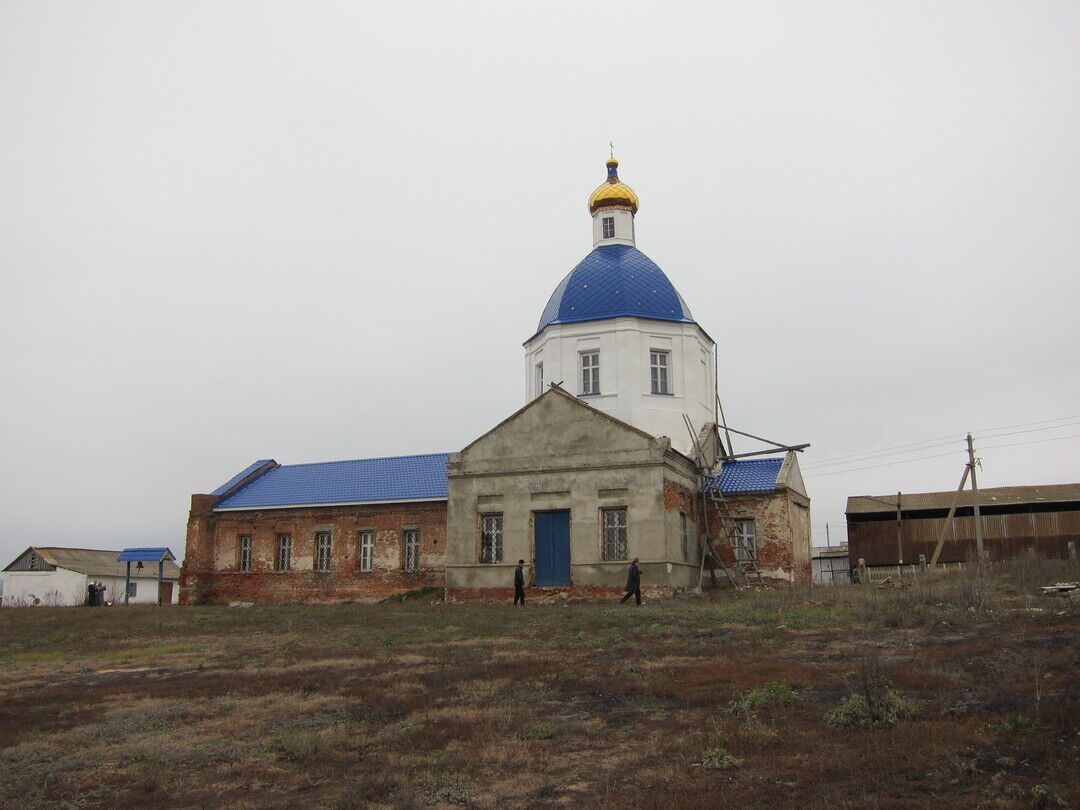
<point x="557" y="427"/>
<point x="791" y="476"/>
<point x="32" y="560"/>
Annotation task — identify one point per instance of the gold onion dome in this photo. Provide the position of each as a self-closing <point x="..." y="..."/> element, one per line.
<point x="613" y="193"/>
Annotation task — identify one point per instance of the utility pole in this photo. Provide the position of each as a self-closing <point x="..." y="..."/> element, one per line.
<point x="828" y="542"/>
<point x="975" y="500"/>
<point x="899" y="536"/>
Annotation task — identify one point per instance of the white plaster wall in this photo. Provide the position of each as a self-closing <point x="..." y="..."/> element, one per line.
<point x="64" y="588"/>
<point x="145" y="590"/>
<point x="625" y="383"/>
<point x="624" y="227"/>
<point x="58" y="588"/>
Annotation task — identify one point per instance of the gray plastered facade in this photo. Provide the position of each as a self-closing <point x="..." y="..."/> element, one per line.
<point x="558" y="453"/>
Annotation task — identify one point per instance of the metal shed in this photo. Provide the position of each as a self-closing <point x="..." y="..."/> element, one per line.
<point x="896" y="529"/>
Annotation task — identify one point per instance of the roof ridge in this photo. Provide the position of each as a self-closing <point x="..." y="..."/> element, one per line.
<point x="77" y="548"/>
<point x="351" y="460"/>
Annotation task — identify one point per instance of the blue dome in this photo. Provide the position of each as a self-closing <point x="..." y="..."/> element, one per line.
<point x="612" y="281"/>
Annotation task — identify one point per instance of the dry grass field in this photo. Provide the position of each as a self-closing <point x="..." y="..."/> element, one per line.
<point x="954" y="694"/>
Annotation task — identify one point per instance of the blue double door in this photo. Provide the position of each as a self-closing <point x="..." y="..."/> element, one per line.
<point x="552" y="536"/>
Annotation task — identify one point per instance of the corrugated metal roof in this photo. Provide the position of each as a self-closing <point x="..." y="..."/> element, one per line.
<point x="992" y="496"/>
<point x="144" y="554"/>
<point x="240" y="476"/>
<point x="398" y="478"/>
<point x="747" y="475"/>
<point x="612" y="281"/>
<point x="96" y="563"/>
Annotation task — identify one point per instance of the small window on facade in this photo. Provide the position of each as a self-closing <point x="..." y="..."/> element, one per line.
<point x="411" y="552"/>
<point x="132" y="587"/>
<point x="323" y="550"/>
<point x="284" y="552"/>
<point x="745" y="541"/>
<point x="243" y="554"/>
<point x="491" y="538"/>
<point x="590" y="372"/>
<point x="539" y="379"/>
<point x="659" y="362"/>
<point x="684" y="528"/>
<point x="609" y="227"/>
<point x="614" y="526"/>
<point x="367" y="549"/>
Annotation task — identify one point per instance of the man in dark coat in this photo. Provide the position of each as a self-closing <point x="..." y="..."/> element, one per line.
<point x="91" y="593"/>
<point x="633" y="582"/>
<point x="519" y="583"/>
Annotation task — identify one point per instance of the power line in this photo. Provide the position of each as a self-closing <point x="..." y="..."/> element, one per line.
<point x="870" y="456"/>
<point x="883" y="451"/>
<point x="939" y="455"/>
<point x="1033" y="441"/>
<point x="1029" y="430"/>
<point x="875" y="466"/>
<point x="987" y="433"/>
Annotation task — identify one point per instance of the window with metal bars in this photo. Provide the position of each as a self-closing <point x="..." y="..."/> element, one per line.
<point x="614" y="528"/>
<point x="491" y="538"/>
<point x="367" y="549"/>
<point x="323" y="550"/>
<point x="283" y="562"/>
<point x="590" y="373"/>
<point x="411" y="549"/>
<point x="659" y="362"/>
<point x="243" y="555"/>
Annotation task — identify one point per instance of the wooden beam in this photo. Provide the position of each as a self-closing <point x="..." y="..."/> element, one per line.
<point x="949" y="517"/>
<point x="767" y="441"/>
<point x="797" y="447"/>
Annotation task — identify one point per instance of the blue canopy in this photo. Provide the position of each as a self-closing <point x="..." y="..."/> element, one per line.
<point x="145" y="555"/>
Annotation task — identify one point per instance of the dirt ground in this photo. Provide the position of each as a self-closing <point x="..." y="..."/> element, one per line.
<point x="973" y="686"/>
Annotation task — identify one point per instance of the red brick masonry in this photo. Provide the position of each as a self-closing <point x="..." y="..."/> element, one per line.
<point x="211" y="566"/>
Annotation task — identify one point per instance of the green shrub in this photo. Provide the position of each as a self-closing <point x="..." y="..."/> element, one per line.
<point x="886" y="710"/>
<point x="718" y="759"/>
<point x="296" y="746"/>
<point x="774" y="693"/>
<point x="1018" y="724"/>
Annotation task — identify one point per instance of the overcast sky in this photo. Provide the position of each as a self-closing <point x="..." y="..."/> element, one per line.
<point x="317" y="231"/>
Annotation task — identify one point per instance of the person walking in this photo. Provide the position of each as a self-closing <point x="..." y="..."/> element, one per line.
<point x="519" y="583"/>
<point x="633" y="582"/>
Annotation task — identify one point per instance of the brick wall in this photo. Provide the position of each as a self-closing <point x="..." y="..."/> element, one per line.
<point x="211" y="566"/>
<point x="781" y="525"/>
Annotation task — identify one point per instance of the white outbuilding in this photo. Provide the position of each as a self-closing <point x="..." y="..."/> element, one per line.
<point x="60" y="577"/>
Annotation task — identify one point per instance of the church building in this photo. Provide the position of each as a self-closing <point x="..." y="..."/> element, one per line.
<point x="593" y="471"/>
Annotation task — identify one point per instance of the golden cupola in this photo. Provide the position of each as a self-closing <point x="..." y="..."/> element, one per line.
<point x="613" y="192"/>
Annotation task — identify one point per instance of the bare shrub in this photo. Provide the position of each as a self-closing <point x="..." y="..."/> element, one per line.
<point x="875" y="704"/>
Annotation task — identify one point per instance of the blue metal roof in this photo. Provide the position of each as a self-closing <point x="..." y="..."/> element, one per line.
<point x="145" y="555"/>
<point x="747" y="475"/>
<point x="400" y="478"/>
<point x="612" y="281"/>
<point x="240" y="476"/>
